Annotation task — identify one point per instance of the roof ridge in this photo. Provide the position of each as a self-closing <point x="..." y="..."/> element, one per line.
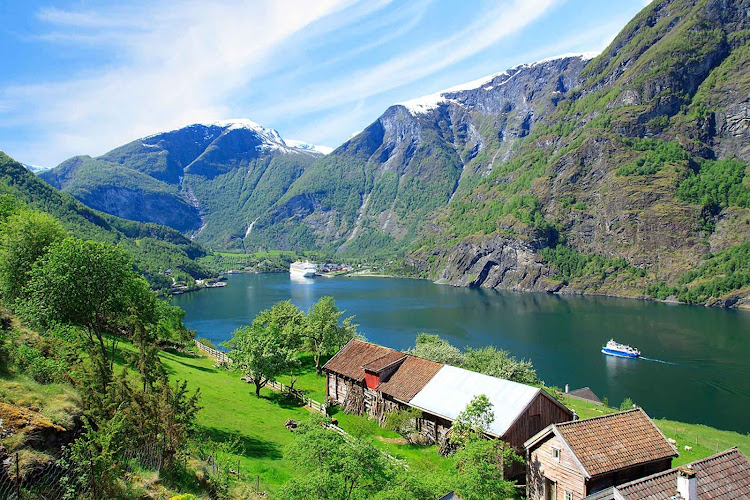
<point x="600" y="417"/>
<point x="673" y="470"/>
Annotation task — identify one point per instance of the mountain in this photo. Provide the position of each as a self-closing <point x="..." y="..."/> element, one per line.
<point x="373" y="194"/>
<point x="637" y="184"/>
<point x="35" y="169"/>
<point x="626" y="174"/>
<point x="153" y="248"/>
<point x="208" y="180"/>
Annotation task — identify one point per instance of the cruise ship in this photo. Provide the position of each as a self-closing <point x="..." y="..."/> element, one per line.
<point x="621" y="350"/>
<point x="305" y="269"/>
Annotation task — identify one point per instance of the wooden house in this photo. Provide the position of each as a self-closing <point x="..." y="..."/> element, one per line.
<point x="723" y="476"/>
<point x="571" y="460"/>
<point x="369" y="379"/>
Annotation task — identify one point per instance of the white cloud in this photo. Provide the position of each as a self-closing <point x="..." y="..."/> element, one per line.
<point x="176" y="62"/>
<point x="506" y="19"/>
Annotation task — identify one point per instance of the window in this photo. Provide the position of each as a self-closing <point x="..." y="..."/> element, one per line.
<point x="556" y="454"/>
<point x="568" y="495"/>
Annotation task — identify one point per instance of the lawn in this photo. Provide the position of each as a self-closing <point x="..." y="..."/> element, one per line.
<point x="232" y="412"/>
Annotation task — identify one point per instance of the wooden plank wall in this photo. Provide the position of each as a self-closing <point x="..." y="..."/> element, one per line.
<point x="540" y="413"/>
<point x="564" y="472"/>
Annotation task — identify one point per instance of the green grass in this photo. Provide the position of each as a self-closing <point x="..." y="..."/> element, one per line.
<point x="232" y="412"/>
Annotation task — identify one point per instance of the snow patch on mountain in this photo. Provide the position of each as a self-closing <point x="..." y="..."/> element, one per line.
<point x="424" y="104"/>
<point x="294" y="143"/>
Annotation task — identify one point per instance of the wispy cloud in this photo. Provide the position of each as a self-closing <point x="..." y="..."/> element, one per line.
<point x="506" y="19"/>
<point x="176" y="63"/>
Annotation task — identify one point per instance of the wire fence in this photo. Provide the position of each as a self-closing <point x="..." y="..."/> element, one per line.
<point x="27" y="479"/>
<point x="24" y="477"/>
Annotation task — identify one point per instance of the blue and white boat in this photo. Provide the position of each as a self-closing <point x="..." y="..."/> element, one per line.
<point x="620" y="350"/>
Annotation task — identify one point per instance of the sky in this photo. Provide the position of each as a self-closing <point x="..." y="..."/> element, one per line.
<point x="85" y="76"/>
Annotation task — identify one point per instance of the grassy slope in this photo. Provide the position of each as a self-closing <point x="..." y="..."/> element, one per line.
<point x="232" y="410"/>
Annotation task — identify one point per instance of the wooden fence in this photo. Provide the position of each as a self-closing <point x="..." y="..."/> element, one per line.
<point x="219" y="355"/>
<point x="222" y="357"/>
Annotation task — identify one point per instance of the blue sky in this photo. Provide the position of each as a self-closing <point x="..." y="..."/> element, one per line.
<point x="84" y="76"/>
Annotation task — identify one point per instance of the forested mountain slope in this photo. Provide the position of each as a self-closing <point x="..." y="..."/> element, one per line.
<point x="637" y="184"/>
<point x="154" y="248"/>
<point x="374" y="193"/>
<point x="210" y="181"/>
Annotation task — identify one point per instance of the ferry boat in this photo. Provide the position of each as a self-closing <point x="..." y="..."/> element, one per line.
<point x="621" y="350"/>
<point x="305" y="269"/>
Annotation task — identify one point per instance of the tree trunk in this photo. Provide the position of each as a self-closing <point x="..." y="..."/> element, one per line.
<point x="318" y="371"/>
<point x="257" y="388"/>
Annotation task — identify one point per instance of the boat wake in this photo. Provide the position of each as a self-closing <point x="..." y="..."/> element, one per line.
<point x="658" y="361"/>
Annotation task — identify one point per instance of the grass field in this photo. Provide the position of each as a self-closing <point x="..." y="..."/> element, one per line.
<point x="232" y="412"/>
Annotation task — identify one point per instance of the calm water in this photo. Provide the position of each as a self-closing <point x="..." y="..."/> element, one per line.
<point x="698" y="359"/>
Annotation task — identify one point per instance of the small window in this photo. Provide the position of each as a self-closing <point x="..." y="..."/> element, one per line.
<point x="556" y="454"/>
<point x="568" y="495"/>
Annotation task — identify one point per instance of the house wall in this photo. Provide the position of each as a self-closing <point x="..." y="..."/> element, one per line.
<point x="338" y="387"/>
<point x="565" y="472"/>
<point x="541" y="412"/>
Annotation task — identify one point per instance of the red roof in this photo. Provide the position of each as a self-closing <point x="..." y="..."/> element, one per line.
<point x="403" y="384"/>
<point x="410" y="378"/>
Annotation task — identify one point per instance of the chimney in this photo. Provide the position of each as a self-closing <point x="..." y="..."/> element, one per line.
<point x="567" y="388"/>
<point x="687" y="484"/>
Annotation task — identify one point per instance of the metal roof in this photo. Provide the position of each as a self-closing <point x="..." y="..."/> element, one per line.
<point x="452" y="388"/>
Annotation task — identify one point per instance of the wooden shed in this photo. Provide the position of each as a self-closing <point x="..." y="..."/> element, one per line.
<point x="369" y="379"/>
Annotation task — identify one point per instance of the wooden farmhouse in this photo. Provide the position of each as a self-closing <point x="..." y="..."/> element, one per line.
<point x="572" y="460"/>
<point x="365" y="378"/>
<point x="723" y="476"/>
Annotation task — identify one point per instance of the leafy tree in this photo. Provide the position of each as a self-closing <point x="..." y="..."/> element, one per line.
<point x="434" y="348"/>
<point x="627" y="404"/>
<point x="90" y="285"/>
<point x="480" y="465"/>
<point x="403" y="422"/>
<point x="499" y="363"/>
<point x="24" y="238"/>
<point x="261" y="350"/>
<point x="340" y="470"/>
<point x="322" y="333"/>
<point x="473" y="420"/>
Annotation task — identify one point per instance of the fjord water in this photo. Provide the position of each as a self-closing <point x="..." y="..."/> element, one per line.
<point x="697" y="366"/>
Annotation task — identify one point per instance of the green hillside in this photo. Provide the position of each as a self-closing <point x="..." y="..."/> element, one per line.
<point x="153" y="248"/>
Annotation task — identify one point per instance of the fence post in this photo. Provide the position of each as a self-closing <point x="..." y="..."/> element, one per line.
<point x="18" y="480"/>
<point x="257" y="484"/>
<point x="238" y="468"/>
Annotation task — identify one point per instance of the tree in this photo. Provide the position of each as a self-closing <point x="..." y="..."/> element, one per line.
<point x="498" y="363"/>
<point x="480" y="465"/>
<point x="473" y="420"/>
<point x="338" y="469"/>
<point x="434" y="348"/>
<point x="93" y="286"/>
<point x="322" y="333"/>
<point x="403" y="422"/>
<point x="627" y="404"/>
<point x="24" y="238"/>
<point x="261" y="350"/>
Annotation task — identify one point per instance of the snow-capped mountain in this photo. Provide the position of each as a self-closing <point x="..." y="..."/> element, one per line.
<point x="208" y="179"/>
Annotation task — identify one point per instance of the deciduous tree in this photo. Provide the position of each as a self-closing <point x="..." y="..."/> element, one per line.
<point x="323" y="334"/>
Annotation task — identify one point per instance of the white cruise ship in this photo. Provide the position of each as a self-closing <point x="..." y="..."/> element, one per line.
<point x="305" y="269"/>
